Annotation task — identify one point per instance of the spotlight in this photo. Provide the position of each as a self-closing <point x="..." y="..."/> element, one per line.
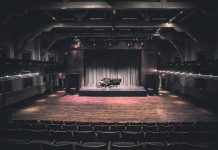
<point x="94" y="44"/>
<point x="110" y="44"/>
<point x="142" y="43"/>
<point x="128" y="44"/>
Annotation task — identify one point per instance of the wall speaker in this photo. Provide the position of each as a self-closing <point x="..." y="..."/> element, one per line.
<point x="151" y="82"/>
<point x="73" y="81"/>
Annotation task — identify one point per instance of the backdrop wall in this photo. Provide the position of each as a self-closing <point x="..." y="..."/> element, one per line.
<point x="118" y="64"/>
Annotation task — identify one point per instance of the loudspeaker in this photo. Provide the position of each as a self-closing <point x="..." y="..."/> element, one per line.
<point x="73" y="81"/>
<point x="151" y="82"/>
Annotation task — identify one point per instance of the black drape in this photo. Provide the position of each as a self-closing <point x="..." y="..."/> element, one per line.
<point x="118" y="64"/>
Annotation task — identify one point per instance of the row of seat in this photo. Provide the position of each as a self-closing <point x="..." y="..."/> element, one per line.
<point x="113" y="123"/>
<point x="114" y="127"/>
<point x="149" y="146"/>
<point x="78" y="136"/>
<point x="87" y="140"/>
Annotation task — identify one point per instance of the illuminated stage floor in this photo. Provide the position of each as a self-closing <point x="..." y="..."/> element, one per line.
<point x="113" y="91"/>
<point x="58" y="106"/>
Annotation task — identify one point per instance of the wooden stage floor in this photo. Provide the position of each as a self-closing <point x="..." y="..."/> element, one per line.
<point x="58" y="106"/>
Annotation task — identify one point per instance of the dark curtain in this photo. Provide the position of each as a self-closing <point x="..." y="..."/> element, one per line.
<point x="117" y="64"/>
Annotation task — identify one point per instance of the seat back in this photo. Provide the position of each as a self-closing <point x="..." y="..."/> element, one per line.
<point x="155" y="146"/>
<point x="155" y="136"/>
<point x="132" y="136"/>
<point x="108" y="136"/>
<point x="69" y="127"/>
<point x="163" y="128"/>
<point x="40" y="135"/>
<point x="147" y="128"/>
<point x="132" y="147"/>
<point x="101" y="128"/>
<point x="54" y="127"/>
<point x="135" y="128"/>
<point x="85" y="147"/>
<point x="116" y="128"/>
<point x="85" y="128"/>
<point x="57" y="147"/>
<point x="85" y="136"/>
<point x="61" y="135"/>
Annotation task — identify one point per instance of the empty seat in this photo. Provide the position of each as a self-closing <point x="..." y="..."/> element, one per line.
<point x="162" y="123"/>
<point x="15" y="135"/>
<point x="186" y="146"/>
<point x="54" y="127"/>
<point x="172" y="146"/>
<point x="109" y="123"/>
<point x="84" y="136"/>
<point x="175" y="123"/>
<point x="135" y="123"/>
<point x="70" y="122"/>
<point x="57" y="147"/>
<point x="85" y="128"/>
<point x="185" y="137"/>
<point x="20" y="146"/>
<point x="39" y="126"/>
<point x="108" y="136"/>
<point x="126" y="147"/>
<point x="155" y="137"/>
<point x="40" y="136"/>
<point x="117" y="128"/>
<point x="182" y="128"/>
<point x="163" y="128"/>
<point x="92" y="147"/>
<point x="187" y="123"/>
<point x="69" y="127"/>
<point x="148" y="128"/>
<point x="150" y="123"/>
<point x="135" y="128"/>
<point x="101" y="128"/>
<point x="97" y="123"/>
<point x="132" y="136"/>
<point x="83" y="123"/>
<point x="57" y="122"/>
<point x="155" y="146"/>
<point x="173" y="137"/>
<point x="46" y="121"/>
<point x="61" y="135"/>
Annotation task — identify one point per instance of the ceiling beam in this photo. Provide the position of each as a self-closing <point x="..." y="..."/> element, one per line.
<point x="84" y="25"/>
<point x="114" y="5"/>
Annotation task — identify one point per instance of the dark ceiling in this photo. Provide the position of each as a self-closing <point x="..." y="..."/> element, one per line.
<point x="109" y="17"/>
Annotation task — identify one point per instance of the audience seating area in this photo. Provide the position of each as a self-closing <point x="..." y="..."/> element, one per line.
<point x="72" y="135"/>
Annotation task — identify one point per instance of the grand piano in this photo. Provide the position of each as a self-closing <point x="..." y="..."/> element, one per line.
<point x="107" y="82"/>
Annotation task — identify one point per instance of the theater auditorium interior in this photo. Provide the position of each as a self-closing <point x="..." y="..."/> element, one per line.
<point x="108" y="75"/>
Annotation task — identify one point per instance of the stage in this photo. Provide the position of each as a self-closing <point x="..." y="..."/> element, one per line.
<point x="113" y="91"/>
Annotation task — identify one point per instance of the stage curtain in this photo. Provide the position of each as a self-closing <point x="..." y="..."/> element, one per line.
<point x="117" y="64"/>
